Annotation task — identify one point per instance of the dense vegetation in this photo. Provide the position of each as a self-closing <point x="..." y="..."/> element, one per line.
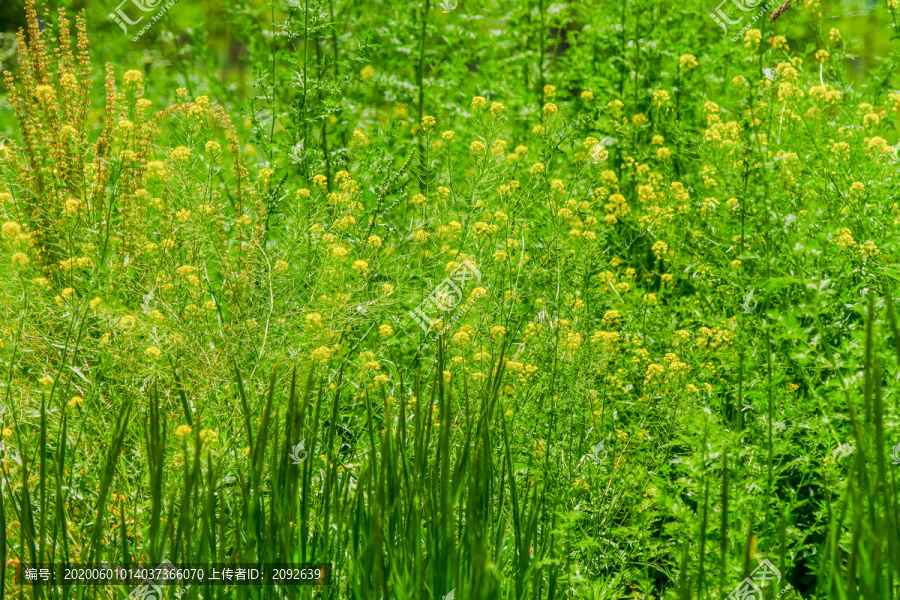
<point x="475" y="301"/>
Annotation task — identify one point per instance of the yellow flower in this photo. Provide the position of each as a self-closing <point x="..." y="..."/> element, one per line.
<point x="550" y="109"/>
<point x="321" y="353"/>
<point x="822" y="56"/>
<point x="75" y="401"/>
<point x="448" y="136"/>
<point x="280" y="266"/>
<point x="183" y="215"/>
<point x="183" y="430"/>
<point x="181" y="153"/>
<point x="11" y="229"/>
<point x="660" y="97"/>
<point x="536" y="168"/>
<point x="663" y="153"/>
<point x="477" y="146"/>
<point x="779" y="42"/>
<point x="367" y="72"/>
<point x="385" y="330"/>
<point x="687" y="61"/>
<point x="45" y="93"/>
<point x="428" y="122"/>
<point x="380" y="379"/>
<point x="374" y="241"/>
<point x="21" y="259"/>
<point x="213" y="147"/>
<point x="153" y="352"/>
<point x="479" y="102"/>
<point x="320" y="180"/>
<point x="497" y="109"/>
<point x="587" y="95"/>
<point x="127" y="321"/>
<point x="209" y="436"/>
<point x="498" y="331"/>
<point x="361" y="267"/>
<point x="133" y="76"/>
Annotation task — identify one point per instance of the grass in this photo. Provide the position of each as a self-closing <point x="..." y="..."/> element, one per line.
<point x="676" y="356"/>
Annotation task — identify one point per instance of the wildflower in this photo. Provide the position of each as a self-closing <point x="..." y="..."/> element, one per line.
<point x="380" y="380"/>
<point x="209" y="436"/>
<point x="387" y="289"/>
<point x="497" y="109"/>
<point x="320" y="180"/>
<point x="447" y="135"/>
<point x="366" y="72"/>
<point x="183" y="215"/>
<point x="127" y="322"/>
<point x="550" y="109"/>
<point x="428" y="122"/>
<point x="280" y="266"/>
<point x="75" y="402"/>
<point x="779" y="42"/>
<point x="660" y="97"/>
<point x="612" y="316"/>
<point x="687" y="61"/>
<point x="21" y="259"/>
<point x="420" y="199"/>
<point x="11" y="229"/>
<point x="752" y="38"/>
<point x="45" y="93"/>
<point x="663" y="153"/>
<point x="822" y="56"/>
<point x="361" y="267"/>
<point x="536" y="168"/>
<point x="385" y="330"/>
<point x="550" y="91"/>
<point x="477" y="147"/>
<point x="183" y="430"/>
<point x="181" y="153"/>
<point x="834" y="35"/>
<point x="321" y="353"/>
<point x="659" y="249"/>
<point x="153" y="352"/>
<point x="587" y="95"/>
<point x="479" y="102"/>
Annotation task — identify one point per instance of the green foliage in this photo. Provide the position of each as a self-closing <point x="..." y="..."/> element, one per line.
<point x="676" y="355"/>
